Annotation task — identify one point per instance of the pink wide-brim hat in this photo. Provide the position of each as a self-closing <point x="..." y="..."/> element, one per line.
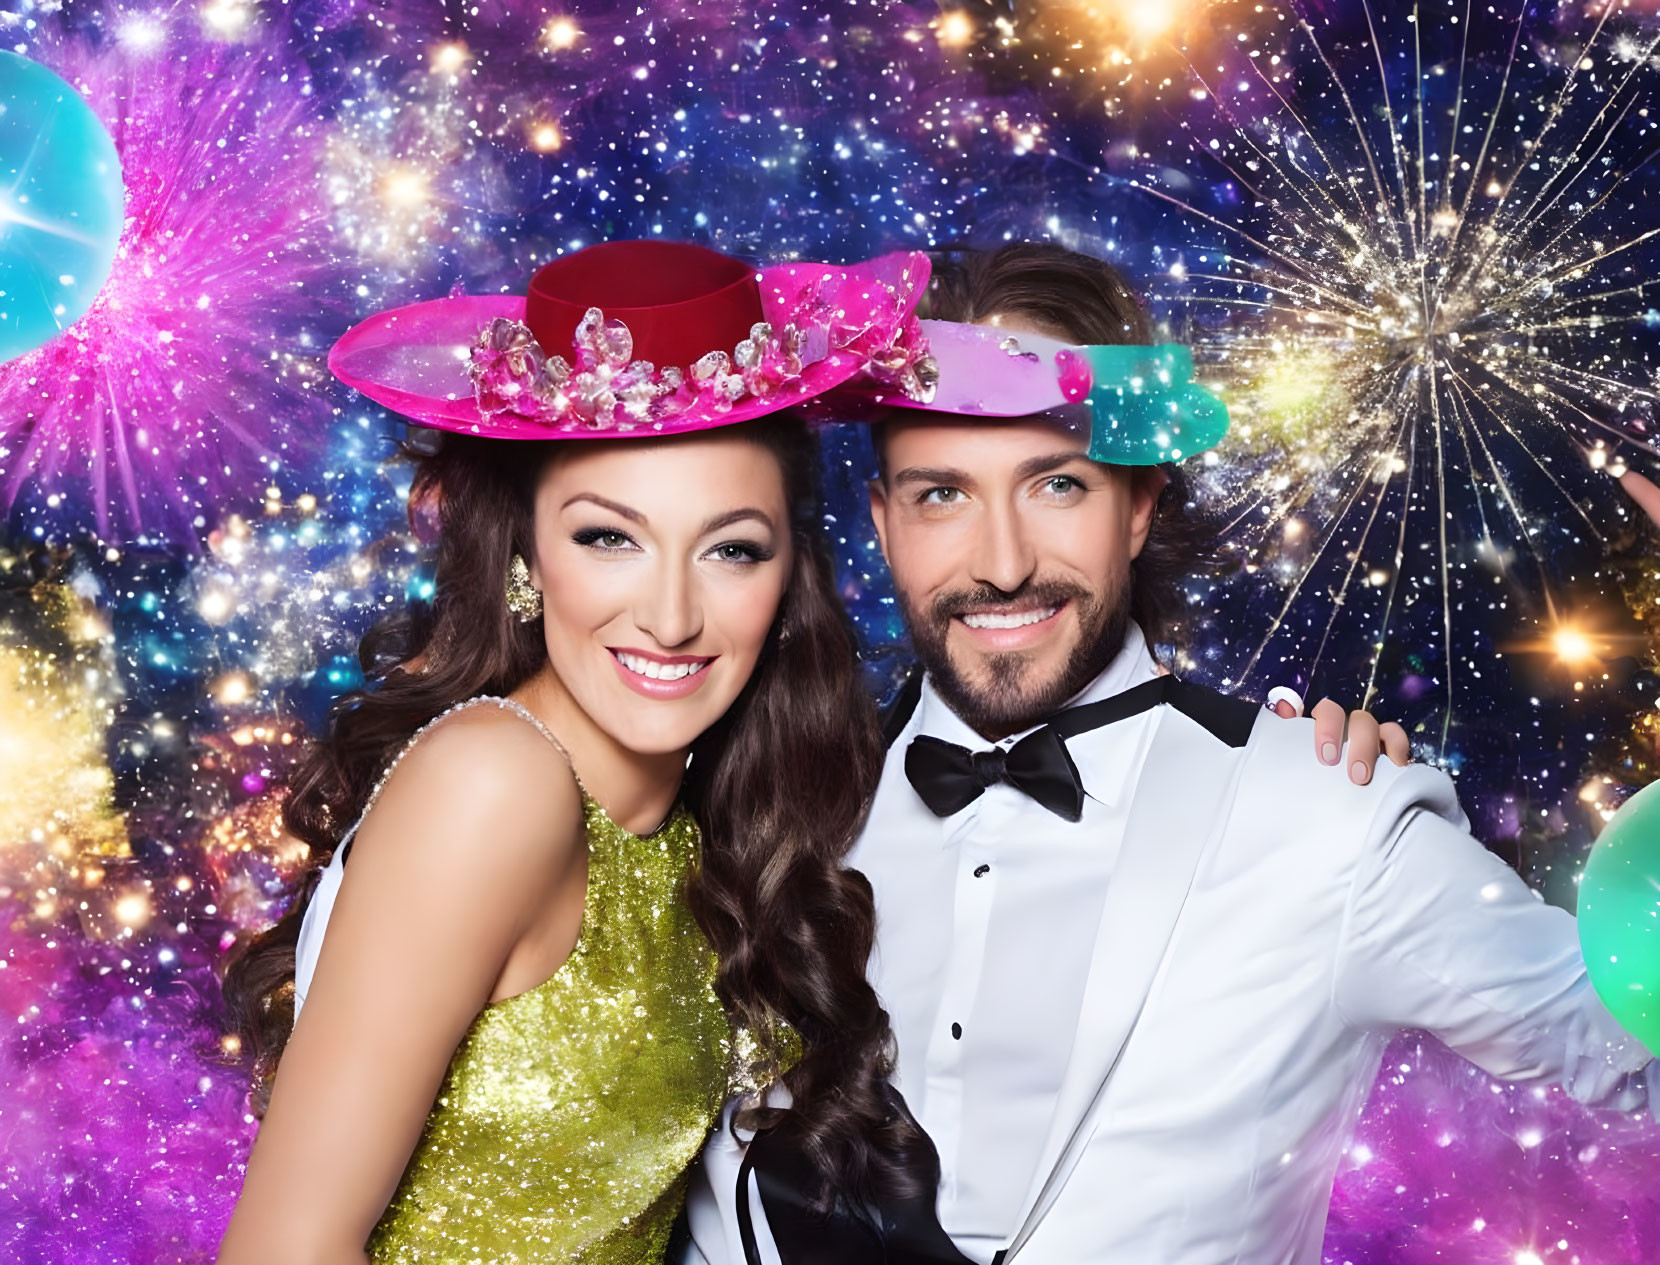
<point x="642" y="338"/>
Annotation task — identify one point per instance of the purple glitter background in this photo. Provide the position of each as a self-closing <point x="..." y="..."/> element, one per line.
<point x="292" y="167"/>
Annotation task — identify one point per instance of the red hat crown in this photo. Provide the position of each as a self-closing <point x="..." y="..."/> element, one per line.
<point x="678" y="300"/>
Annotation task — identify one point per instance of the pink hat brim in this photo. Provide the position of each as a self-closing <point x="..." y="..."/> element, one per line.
<point x="985" y="371"/>
<point x="413" y="359"/>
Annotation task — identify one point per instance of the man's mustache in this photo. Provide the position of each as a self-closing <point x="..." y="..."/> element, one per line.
<point x="988" y="597"/>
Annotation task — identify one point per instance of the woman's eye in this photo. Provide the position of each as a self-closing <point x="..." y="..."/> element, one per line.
<point x="602" y="538"/>
<point x="1062" y="485"/>
<point x="739" y="551"/>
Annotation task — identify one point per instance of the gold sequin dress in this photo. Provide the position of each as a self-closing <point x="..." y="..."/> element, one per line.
<point x="570" y="1112"/>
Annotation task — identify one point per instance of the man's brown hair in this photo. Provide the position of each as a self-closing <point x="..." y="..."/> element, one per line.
<point x="1079" y="298"/>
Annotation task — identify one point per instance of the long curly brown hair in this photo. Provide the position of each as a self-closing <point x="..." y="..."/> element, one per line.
<point x="780" y="787"/>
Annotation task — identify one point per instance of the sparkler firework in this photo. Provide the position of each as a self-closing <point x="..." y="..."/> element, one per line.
<point x="1431" y="305"/>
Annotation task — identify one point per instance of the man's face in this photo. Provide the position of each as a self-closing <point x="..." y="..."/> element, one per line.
<point x="1010" y="551"/>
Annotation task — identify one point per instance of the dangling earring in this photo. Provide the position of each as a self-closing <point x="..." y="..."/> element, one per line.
<point x="784" y="631"/>
<point x="524" y="599"/>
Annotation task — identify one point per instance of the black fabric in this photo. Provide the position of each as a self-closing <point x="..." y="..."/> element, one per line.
<point x="897" y="714"/>
<point x="949" y="777"/>
<point x="1229" y="719"/>
<point x="892" y="1232"/>
<point x="680" y="1236"/>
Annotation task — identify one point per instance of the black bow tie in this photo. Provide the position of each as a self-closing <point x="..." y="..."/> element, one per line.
<point x="949" y="778"/>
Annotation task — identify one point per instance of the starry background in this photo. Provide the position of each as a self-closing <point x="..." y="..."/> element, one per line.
<point x="1410" y="244"/>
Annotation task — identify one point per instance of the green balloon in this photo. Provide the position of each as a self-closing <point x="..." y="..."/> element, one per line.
<point x="1619" y="916"/>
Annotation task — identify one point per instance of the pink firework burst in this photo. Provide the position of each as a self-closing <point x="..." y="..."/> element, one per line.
<point x="193" y="375"/>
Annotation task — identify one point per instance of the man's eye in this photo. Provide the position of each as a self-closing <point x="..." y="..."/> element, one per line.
<point x="940" y="496"/>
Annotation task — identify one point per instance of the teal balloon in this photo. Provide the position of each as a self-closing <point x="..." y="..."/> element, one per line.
<point x="60" y="205"/>
<point x="1619" y="916"/>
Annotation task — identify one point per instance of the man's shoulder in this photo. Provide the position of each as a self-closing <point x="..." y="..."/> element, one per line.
<point x="1229" y="720"/>
<point x="1283" y="782"/>
<point x="1284" y="796"/>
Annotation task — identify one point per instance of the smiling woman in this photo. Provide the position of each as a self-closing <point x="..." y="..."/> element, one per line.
<point x="584" y="802"/>
<point x="655" y="599"/>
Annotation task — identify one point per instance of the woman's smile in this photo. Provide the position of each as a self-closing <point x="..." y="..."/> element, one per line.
<point x="661" y="676"/>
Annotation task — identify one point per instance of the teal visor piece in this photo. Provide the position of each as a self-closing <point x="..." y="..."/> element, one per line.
<point x="1146" y="408"/>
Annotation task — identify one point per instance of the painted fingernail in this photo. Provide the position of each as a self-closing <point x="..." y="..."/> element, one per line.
<point x="1281" y="694"/>
<point x="1358" y="772"/>
<point x="1328" y="753"/>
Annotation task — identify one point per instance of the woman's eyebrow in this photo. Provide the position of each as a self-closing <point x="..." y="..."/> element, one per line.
<point x="734" y="516"/>
<point x="725" y="519"/>
<point x="633" y="516"/>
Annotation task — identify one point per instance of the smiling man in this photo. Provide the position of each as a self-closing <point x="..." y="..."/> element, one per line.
<point x="1141" y="951"/>
<point x="1012" y="564"/>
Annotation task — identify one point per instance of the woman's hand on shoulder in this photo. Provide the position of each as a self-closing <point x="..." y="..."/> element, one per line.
<point x="1366" y="739"/>
<point x="476" y="832"/>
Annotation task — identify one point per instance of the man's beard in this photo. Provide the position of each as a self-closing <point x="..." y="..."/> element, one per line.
<point x="1009" y="700"/>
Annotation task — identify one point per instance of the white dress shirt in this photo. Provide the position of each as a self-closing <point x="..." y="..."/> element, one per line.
<point x="974" y="908"/>
<point x="1170" y="1011"/>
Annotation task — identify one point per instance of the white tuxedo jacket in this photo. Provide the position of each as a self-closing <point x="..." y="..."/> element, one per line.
<point x="1267" y="927"/>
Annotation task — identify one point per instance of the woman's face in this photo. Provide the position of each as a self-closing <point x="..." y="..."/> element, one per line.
<point x="662" y="564"/>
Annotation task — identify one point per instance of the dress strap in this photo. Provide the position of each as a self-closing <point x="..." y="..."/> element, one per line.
<point x="506" y="705"/>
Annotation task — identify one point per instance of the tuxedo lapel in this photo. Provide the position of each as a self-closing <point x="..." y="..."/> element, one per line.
<point x="1186" y="783"/>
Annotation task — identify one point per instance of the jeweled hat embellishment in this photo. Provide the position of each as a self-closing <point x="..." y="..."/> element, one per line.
<point x="608" y="390"/>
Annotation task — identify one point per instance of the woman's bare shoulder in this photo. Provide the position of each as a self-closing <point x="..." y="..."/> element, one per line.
<point x="483" y="784"/>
